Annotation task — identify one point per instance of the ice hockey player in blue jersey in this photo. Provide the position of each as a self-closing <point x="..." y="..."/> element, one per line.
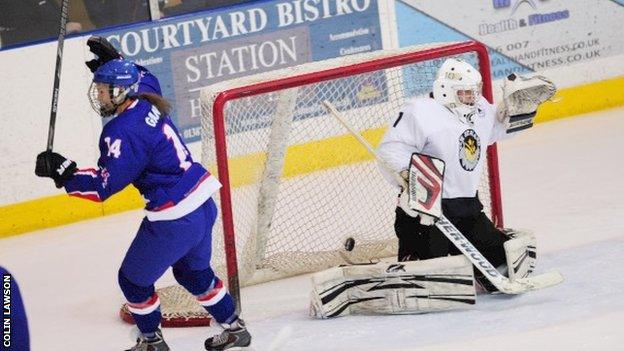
<point x="141" y="146"/>
<point x="15" y="324"/>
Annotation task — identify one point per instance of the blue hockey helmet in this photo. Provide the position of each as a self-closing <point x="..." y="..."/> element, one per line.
<point x="117" y="72"/>
<point x="122" y="78"/>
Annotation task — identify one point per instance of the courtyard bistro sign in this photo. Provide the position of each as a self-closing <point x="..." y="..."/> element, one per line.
<point x="193" y="51"/>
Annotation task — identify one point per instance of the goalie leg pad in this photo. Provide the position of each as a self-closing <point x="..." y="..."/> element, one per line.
<point x="521" y="253"/>
<point x="439" y="284"/>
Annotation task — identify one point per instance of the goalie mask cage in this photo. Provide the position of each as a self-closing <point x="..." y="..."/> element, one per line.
<point x="296" y="185"/>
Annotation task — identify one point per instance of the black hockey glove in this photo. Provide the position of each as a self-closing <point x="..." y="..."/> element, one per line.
<point x="52" y="165"/>
<point x="103" y="50"/>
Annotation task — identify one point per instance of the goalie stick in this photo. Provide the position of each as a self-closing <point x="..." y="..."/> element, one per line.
<point x="57" y="74"/>
<point x="502" y="283"/>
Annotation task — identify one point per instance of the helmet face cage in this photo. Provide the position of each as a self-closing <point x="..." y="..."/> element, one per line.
<point x="117" y="95"/>
<point x="458" y="88"/>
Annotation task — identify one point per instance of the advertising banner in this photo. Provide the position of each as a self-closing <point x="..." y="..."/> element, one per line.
<point x="194" y="51"/>
<point x="524" y="35"/>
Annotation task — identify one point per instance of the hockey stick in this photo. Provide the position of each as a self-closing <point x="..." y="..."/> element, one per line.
<point x="501" y="282"/>
<point x="57" y="74"/>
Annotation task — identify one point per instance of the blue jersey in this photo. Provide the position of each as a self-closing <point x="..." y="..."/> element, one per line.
<point x="142" y="147"/>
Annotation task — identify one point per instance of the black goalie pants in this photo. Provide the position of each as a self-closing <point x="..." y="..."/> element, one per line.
<point x="420" y="242"/>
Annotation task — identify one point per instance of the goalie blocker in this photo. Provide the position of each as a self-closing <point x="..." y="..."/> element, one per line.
<point x="422" y="189"/>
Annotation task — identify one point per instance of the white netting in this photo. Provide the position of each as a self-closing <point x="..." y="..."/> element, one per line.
<point x="178" y="307"/>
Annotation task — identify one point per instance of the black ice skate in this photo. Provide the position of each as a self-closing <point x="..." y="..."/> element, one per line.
<point x="157" y="344"/>
<point x="234" y="336"/>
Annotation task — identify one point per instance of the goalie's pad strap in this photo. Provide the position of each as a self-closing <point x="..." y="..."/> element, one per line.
<point x="438" y="284"/>
<point x="520" y="252"/>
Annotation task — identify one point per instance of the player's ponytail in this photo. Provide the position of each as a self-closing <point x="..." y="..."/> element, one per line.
<point x="160" y="102"/>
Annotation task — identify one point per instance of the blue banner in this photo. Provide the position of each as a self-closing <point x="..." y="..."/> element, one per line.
<point x="193" y="51"/>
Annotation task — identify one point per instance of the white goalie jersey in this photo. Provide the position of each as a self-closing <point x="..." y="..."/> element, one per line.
<point x="427" y="127"/>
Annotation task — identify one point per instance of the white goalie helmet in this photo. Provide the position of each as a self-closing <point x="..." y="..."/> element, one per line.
<point x="458" y="88"/>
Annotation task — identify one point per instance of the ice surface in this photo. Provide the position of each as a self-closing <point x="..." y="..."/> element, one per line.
<point x="562" y="179"/>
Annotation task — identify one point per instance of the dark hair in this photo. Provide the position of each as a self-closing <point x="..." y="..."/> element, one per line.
<point x="160" y="102"/>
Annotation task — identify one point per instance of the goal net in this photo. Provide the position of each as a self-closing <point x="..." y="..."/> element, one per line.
<point x="296" y="184"/>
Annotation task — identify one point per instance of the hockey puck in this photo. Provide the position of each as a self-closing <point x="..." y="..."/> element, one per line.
<point x="349" y="244"/>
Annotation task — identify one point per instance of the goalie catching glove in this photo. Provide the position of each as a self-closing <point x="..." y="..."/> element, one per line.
<point x="521" y="98"/>
<point x="422" y="189"/>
